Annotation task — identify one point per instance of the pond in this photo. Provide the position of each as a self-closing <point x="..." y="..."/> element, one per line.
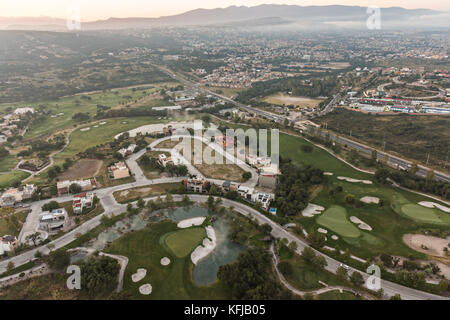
<point x="205" y="272"/>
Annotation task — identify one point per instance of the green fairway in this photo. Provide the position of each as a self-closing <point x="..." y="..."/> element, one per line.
<point x="145" y="250"/>
<point x="424" y="214"/>
<point x="335" y="218"/>
<point x="183" y="242"/>
<point x="64" y="108"/>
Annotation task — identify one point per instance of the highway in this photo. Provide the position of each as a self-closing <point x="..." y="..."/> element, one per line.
<point x="393" y="160"/>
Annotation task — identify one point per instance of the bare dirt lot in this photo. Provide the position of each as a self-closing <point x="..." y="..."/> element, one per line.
<point x="432" y="245"/>
<point x="84" y="168"/>
<point x="281" y="99"/>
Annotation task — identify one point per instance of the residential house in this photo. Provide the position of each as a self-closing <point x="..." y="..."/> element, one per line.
<point x="86" y="185"/>
<point x="54" y="220"/>
<point x="13" y="196"/>
<point x="195" y="184"/>
<point x="264" y="198"/>
<point x="127" y="151"/>
<point x="119" y="170"/>
<point x="8" y="244"/>
<point x="164" y="160"/>
<point x="245" y="192"/>
<point x="82" y="201"/>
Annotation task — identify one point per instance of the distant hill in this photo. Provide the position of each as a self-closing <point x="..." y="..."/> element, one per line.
<point x="262" y="15"/>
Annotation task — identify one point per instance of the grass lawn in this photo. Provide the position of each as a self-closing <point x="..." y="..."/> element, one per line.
<point x="174" y="281"/>
<point x="8" y="163"/>
<point x="427" y="215"/>
<point x="11" y="221"/>
<point x="336" y="295"/>
<point x="335" y="218"/>
<point x="303" y="276"/>
<point x="183" y="242"/>
<point x="8" y="179"/>
<point x="64" y="108"/>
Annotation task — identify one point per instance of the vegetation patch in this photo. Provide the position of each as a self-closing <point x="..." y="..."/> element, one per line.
<point x="183" y="242"/>
<point x="335" y="218"/>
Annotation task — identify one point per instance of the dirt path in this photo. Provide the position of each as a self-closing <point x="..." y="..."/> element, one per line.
<point x="123" y="261"/>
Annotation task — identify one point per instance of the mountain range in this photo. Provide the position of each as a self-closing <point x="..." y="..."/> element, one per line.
<point x="243" y="16"/>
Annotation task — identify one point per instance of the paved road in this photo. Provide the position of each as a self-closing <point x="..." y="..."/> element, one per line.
<point x="280" y="118"/>
<point x="316" y="292"/>
<point x="277" y="231"/>
<point x="394" y="161"/>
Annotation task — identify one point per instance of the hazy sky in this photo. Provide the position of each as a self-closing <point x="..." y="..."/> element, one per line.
<point x="101" y="9"/>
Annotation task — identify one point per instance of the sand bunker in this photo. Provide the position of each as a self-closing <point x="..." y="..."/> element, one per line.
<point x="328" y="173"/>
<point x="139" y="275"/>
<point x="165" y="261"/>
<point x="197" y="221"/>
<point x="312" y="209"/>
<point x="145" y="289"/>
<point x="322" y="230"/>
<point x="368" y="199"/>
<point x="85" y="129"/>
<point x="427" y="244"/>
<point x="354" y="180"/>
<point x="208" y="246"/>
<point x="361" y="224"/>
<point x="434" y="205"/>
<point x="334" y="237"/>
<point x="103" y="122"/>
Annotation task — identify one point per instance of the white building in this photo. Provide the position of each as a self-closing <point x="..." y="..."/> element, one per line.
<point x="16" y="195"/>
<point x="8" y="244"/>
<point x="52" y="221"/>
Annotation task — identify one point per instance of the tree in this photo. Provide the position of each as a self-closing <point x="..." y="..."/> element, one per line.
<point x="140" y="203"/>
<point x="396" y="297"/>
<point x="293" y="246"/>
<point x="341" y="273"/>
<point x="246" y="176"/>
<point x="75" y="188"/>
<point x="356" y="278"/>
<point x="319" y="262"/>
<point x="350" y="199"/>
<point x="251" y="276"/>
<point x="99" y="275"/>
<point x="10" y="266"/>
<point x="58" y="259"/>
<point x="52" y="205"/>
<point x="308" y="255"/>
<point x="266" y="229"/>
<point x="34" y="237"/>
<point x="443" y="286"/>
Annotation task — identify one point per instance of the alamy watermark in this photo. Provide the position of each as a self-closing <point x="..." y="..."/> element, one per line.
<point x="373" y="282"/>
<point x="74" y="280"/>
<point x="74" y="17"/>
<point x="373" y="22"/>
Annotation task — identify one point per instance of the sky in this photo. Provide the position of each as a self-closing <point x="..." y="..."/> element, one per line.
<point x="103" y="9"/>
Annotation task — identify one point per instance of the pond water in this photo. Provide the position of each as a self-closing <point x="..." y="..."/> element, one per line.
<point x="205" y="272"/>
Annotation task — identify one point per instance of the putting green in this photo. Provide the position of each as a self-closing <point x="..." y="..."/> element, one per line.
<point x="424" y="214"/>
<point x="183" y="242"/>
<point x="335" y="218"/>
